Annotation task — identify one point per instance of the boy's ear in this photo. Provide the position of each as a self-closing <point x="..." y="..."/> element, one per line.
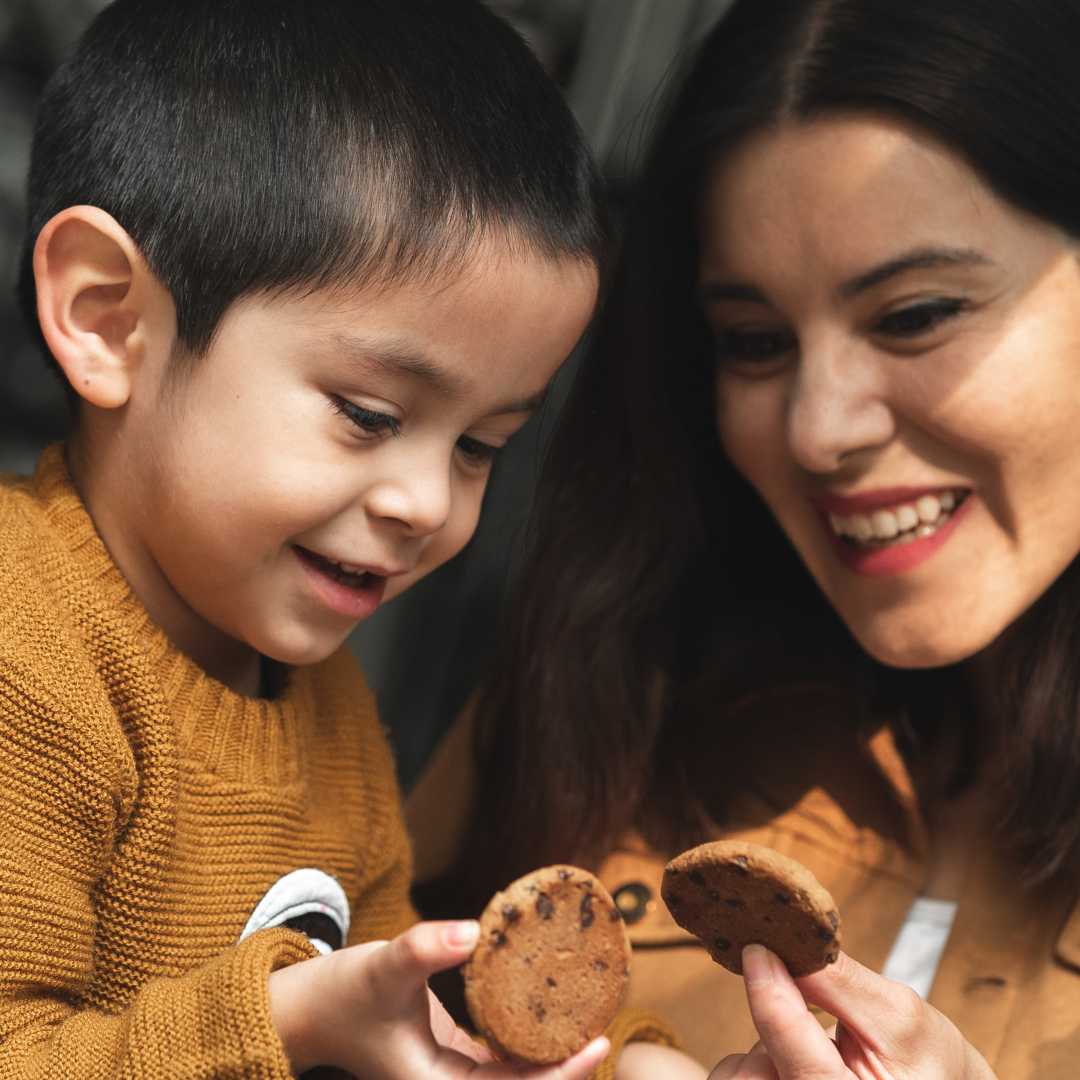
<point x="98" y="302"/>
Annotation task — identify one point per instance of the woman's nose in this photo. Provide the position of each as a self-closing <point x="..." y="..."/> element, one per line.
<point x="838" y="406"/>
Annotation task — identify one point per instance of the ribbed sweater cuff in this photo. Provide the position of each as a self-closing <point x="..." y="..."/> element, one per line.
<point x="632" y="1025"/>
<point x="220" y="1021"/>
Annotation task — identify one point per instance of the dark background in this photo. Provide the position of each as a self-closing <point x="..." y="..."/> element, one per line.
<point x="426" y="651"/>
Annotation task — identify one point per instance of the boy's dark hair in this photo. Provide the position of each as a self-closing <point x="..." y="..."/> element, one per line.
<point x="263" y="144"/>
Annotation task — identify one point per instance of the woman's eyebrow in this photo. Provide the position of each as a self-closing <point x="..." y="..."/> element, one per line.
<point x="923" y="258"/>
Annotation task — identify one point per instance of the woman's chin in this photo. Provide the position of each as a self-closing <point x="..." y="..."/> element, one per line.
<point x="918" y="652"/>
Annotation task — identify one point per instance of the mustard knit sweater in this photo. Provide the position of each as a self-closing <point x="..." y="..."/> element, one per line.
<point x="146" y="809"/>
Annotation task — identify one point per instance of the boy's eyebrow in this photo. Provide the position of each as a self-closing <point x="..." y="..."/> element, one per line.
<point x="925" y="258"/>
<point x="396" y="356"/>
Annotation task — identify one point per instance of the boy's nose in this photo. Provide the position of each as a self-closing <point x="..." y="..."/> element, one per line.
<point x="838" y="406"/>
<point x="418" y="498"/>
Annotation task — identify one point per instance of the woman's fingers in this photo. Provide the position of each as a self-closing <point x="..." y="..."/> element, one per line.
<point x="886" y="1017"/>
<point x="797" y="1045"/>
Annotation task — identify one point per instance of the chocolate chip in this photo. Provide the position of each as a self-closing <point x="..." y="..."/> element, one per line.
<point x="834" y="919"/>
<point x="742" y="864"/>
<point x="721" y="944"/>
<point x="824" y="934"/>
<point x="600" y="965"/>
<point x="551" y="982"/>
<point x="511" y="913"/>
<point x="697" y="877"/>
<point x="564" y="875"/>
<point x="587" y="916"/>
<point x="832" y="957"/>
<point x="783" y="898"/>
<point x="544" y="907"/>
<point x="498" y="938"/>
<point x="536" y="1007"/>
<point x="735" y="903"/>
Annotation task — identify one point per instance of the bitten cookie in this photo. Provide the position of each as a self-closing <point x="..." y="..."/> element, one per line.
<point x="730" y="894"/>
<point x="551" y="968"/>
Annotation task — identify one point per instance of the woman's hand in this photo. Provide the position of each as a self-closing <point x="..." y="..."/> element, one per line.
<point x="367" y="1009"/>
<point x="885" y="1031"/>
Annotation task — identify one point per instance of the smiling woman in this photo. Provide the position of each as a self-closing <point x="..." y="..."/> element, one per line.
<point x="807" y="568"/>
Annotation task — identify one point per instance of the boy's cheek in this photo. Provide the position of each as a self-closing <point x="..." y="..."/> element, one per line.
<point x="440" y="550"/>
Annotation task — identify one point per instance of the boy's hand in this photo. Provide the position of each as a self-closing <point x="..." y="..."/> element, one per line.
<point x="651" y="1061"/>
<point x="367" y="1009"/>
<point x="885" y="1030"/>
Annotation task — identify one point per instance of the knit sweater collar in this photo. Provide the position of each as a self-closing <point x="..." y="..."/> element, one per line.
<point x="217" y="724"/>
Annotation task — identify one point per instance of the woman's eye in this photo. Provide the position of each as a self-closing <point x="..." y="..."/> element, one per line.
<point x="919" y="318"/>
<point x="476" y="452"/>
<point x="748" y="348"/>
<point x="368" y="421"/>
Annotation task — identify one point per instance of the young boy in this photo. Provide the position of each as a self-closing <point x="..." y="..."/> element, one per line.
<point x="305" y="268"/>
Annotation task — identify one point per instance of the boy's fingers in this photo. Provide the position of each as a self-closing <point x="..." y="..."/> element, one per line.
<point x="576" y="1068"/>
<point x="796" y="1043"/>
<point x="449" y="1035"/>
<point x="755" y="1065"/>
<point x="400" y="968"/>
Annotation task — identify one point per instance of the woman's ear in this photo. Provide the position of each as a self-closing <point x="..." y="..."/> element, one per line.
<point x="98" y="303"/>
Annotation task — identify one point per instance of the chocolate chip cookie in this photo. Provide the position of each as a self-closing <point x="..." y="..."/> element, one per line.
<point x="730" y="893"/>
<point x="551" y="968"/>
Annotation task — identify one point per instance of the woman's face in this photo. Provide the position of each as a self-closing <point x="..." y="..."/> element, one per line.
<point x="898" y="375"/>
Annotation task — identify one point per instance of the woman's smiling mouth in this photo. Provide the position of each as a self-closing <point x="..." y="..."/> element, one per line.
<point x="890" y="531"/>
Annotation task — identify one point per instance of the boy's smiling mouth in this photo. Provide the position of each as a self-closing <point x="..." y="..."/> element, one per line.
<point x="346" y="588"/>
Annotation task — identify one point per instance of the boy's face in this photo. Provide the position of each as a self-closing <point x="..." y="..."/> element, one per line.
<point x="354" y="427"/>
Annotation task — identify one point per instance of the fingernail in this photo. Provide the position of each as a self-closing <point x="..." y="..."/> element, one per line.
<point x="597" y="1050"/>
<point x="757" y="965"/>
<point x="462" y="934"/>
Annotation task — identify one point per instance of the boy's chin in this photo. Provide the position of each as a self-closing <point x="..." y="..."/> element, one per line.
<point x="302" y="650"/>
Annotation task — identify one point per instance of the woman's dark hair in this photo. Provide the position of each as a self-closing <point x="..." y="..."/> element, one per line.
<point x="655" y="570"/>
<point x="248" y="145"/>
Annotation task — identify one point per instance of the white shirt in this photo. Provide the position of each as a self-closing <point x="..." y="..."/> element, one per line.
<point x="917" y="950"/>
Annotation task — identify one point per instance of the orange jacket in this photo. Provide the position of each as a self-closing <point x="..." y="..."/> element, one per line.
<point x="1010" y="974"/>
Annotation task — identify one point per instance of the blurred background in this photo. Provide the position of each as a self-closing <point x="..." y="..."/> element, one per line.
<point x="426" y="651"/>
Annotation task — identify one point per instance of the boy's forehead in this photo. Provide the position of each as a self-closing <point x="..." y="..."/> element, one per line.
<point x="454" y="334"/>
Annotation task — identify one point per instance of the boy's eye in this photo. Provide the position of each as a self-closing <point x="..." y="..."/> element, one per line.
<point x="753" y="349"/>
<point x="477" y="453"/>
<point x="368" y="421"/>
<point x="920" y="318"/>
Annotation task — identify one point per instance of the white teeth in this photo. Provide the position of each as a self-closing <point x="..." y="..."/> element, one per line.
<point x="350" y="568"/>
<point x="907" y="517"/>
<point x="899" y="524"/>
<point x="861" y="527"/>
<point x="929" y="508"/>
<point x="885" y="526"/>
